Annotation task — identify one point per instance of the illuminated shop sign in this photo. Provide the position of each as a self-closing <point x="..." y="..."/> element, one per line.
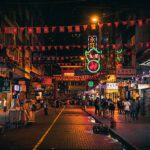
<point x="92" y="41"/>
<point x="93" y="60"/>
<point x="90" y="83"/>
<point x="110" y="86"/>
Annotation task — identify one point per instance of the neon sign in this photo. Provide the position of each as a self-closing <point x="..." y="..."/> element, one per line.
<point x="92" y="41"/>
<point x="93" y="60"/>
<point x="90" y="83"/>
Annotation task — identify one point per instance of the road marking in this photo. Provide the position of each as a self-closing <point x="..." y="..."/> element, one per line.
<point x="45" y="134"/>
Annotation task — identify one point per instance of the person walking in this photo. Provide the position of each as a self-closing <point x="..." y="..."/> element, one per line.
<point x="119" y="105"/>
<point x="96" y="105"/>
<point x="127" y="107"/>
<point x="45" y="108"/>
<point x="112" y="108"/>
<point x="57" y="105"/>
<point x="5" y="105"/>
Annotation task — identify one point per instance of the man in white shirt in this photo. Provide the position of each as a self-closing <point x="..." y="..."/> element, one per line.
<point x="127" y="106"/>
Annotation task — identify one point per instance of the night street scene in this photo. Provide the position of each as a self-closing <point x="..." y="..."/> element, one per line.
<point x="74" y="75"/>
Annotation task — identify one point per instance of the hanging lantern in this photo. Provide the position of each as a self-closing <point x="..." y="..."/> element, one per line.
<point x="132" y="22"/>
<point x="67" y="47"/>
<point x="77" y="28"/>
<point x="85" y="27"/>
<point x="147" y="45"/>
<point x="124" y="22"/>
<point x="15" y="30"/>
<point x="53" y="29"/>
<point x="32" y="48"/>
<point x="61" y="47"/>
<point x="61" y="29"/>
<point x="102" y="46"/>
<point x="7" y="30"/>
<point x="101" y="25"/>
<point x="69" y="28"/>
<point x="113" y="46"/>
<point x="93" y="26"/>
<point x="43" y="48"/>
<point x="46" y="30"/>
<point x="20" y="48"/>
<point x="116" y="24"/>
<point x="109" y="24"/>
<point x="30" y="30"/>
<point x="38" y="30"/>
<point x="111" y="55"/>
<point x="140" y="23"/>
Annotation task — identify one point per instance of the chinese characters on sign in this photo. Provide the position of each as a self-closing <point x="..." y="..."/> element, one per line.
<point x="126" y="72"/>
<point x="93" y="60"/>
<point x="92" y="41"/>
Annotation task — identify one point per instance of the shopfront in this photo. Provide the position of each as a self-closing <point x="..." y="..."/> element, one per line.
<point x="111" y="91"/>
<point x="5" y="92"/>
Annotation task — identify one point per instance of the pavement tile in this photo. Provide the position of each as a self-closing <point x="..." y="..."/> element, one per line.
<point x="136" y="132"/>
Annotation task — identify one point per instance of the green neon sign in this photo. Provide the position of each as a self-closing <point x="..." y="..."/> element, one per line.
<point x="93" y="60"/>
<point x="90" y="83"/>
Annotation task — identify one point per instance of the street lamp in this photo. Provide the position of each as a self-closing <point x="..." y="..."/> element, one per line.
<point x="95" y="19"/>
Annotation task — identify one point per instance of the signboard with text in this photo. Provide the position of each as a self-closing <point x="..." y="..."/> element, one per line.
<point x="92" y="41"/>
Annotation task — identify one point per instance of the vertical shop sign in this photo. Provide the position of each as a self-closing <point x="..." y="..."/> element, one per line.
<point x="92" y="41"/>
<point x="93" y="60"/>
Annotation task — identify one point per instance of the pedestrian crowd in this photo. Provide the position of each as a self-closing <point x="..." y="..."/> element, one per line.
<point x="130" y="108"/>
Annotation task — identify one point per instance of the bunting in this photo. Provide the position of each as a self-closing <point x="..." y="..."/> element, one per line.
<point x="72" y="47"/>
<point x="72" y="28"/>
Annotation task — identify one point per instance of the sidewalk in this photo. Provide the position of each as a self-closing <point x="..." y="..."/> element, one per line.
<point x="135" y="134"/>
<point x="3" y="117"/>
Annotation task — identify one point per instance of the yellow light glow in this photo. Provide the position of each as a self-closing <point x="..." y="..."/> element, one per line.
<point x="68" y="74"/>
<point x="94" y="19"/>
<point x="82" y="58"/>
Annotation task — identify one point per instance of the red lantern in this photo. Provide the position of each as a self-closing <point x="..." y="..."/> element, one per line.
<point x="20" y="48"/>
<point x="61" y="47"/>
<point x="116" y="24"/>
<point x="7" y="30"/>
<point x="38" y="30"/>
<point x="124" y="22"/>
<point x="102" y="46"/>
<point x="111" y="55"/>
<point x="140" y="23"/>
<point x="30" y="30"/>
<point x="61" y="29"/>
<point x="77" y="28"/>
<point x="43" y="48"/>
<point x="147" y="44"/>
<point x="132" y="22"/>
<point x="109" y="24"/>
<point x="113" y="46"/>
<point x="15" y="30"/>
<point x="101" y="25"/>
<point x="46" y="30"/>
<point x="53" y="29"/>
<point x="67" y="47"/>
<point x="69" y="28"/>
<point x="85" y="27"/>
<point x="102" y="56"/>
<point x="93" y="26"/>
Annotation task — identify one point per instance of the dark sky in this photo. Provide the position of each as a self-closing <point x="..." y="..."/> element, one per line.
<point x="64" y="12"/>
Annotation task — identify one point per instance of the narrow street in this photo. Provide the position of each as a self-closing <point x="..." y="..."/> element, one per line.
<point x="70" y="129"/>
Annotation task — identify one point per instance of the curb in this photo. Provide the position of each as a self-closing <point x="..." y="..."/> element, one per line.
<point x="123" y="140"/>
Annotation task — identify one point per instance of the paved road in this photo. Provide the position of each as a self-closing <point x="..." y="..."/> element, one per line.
<point x="70" y="129"/>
